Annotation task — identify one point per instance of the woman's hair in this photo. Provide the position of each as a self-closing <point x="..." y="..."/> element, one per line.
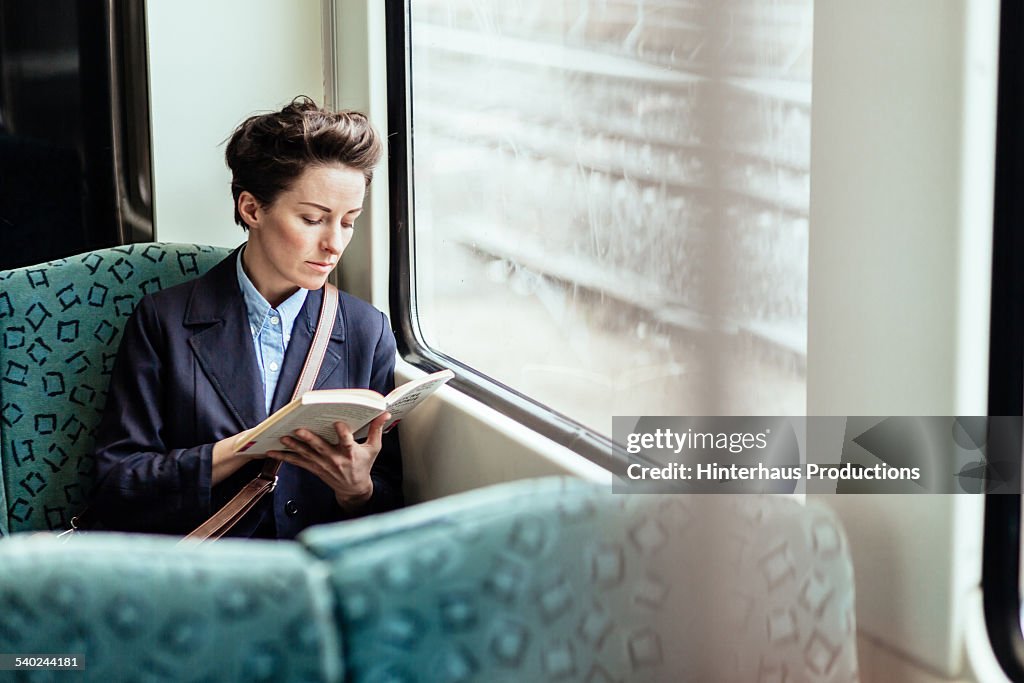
<point x="268" y="152"/>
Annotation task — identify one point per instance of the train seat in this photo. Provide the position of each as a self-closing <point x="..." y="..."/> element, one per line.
<point x="135" y="607"/>
<point x="60" y="324"/>
<point x="559" y="579"/>
<point x="550" y="579"/>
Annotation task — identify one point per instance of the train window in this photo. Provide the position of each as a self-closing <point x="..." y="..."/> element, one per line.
<point x="608" y="201"/>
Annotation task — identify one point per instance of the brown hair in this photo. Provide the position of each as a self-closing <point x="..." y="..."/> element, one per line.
<point x="268" y="152"/>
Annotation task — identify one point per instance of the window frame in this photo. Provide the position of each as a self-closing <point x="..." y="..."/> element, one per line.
<point x="1000" y="582"/>
<point x="527" y="411"/>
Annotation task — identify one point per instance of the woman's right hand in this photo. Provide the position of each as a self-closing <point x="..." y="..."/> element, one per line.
<point x="226" y="461"/>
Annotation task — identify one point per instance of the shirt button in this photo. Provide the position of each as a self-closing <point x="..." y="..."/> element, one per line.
<point x="275" y="320"/>
<point x="273" y="366"/>
<point x="291" y="509"/>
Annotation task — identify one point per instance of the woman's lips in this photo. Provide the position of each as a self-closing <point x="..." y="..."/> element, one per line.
<point x="320" y="267"/>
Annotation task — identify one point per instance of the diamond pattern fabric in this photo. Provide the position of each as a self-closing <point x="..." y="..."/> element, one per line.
<point x="553" y="580"/>
<point x="60" y="324"/>
<point x="140" y="608"/>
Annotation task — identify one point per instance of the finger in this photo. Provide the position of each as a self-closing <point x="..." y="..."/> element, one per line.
<point x="285" y="456"/>
<point x="373" y="439"/>
<point x="345" y="439"/>
<point x="314" y="442"/>
<point x="300" y="448"/>
<point x="310" y="465"/>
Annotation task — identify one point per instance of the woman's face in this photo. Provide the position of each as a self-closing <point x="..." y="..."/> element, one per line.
<point x="298" y="239"/>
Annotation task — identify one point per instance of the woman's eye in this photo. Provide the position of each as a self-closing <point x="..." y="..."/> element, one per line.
<point x="348" y="226"/>
<point x="312" y="221"/>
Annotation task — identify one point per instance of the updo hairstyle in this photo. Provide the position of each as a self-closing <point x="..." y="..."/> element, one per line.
<point x="268" y="152"/>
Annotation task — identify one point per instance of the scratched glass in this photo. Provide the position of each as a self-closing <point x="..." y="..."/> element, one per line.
<point x="611" y="200"/>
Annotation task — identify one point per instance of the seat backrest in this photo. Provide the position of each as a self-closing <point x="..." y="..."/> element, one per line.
<point x="140" y="608"/>
<point x="541" y="580"/>
<point x="562" y="580"/>
<point x="60" y="324"/>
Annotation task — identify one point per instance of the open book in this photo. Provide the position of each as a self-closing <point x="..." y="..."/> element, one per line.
<point x="318" y="410"/>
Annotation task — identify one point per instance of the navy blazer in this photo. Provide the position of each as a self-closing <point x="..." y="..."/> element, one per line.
<point x="186" y="376"/>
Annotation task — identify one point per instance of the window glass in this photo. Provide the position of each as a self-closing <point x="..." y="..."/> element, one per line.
<point x="611" y="200"/>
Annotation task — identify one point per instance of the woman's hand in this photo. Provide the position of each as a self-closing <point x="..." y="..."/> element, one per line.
<point x="225" y="460"/>
<point x="344" y="466"/>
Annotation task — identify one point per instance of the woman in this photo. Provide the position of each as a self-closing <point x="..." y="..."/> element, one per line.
<point x="204" y="361"/>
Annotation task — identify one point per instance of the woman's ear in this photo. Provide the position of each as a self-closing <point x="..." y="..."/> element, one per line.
<point x="249" y="209"/>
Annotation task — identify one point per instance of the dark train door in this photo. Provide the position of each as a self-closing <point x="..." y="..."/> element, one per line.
<point x="75" y="171"/>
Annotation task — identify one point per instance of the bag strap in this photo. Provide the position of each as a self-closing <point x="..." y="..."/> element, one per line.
<point x="224" y="519"/>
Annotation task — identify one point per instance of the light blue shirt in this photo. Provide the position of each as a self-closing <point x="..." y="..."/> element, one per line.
<point x="271" y="328"/>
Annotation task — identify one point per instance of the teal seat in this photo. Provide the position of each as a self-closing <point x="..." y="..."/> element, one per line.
<point x="60" y="324"/>
<point x="557" y="579"/>
<point x="139" y="608"/>
<point x="540" y="580"/>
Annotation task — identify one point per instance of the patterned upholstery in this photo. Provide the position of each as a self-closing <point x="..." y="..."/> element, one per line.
<point x="542" y="580"/>
<point x="140" y="609"/>
<point x="60" y="325"/>
<point x="552" y="580"/>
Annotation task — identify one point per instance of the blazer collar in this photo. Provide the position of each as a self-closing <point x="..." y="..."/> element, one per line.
<point x="214" y="292"/>
<point x="298" y="349"/>
<point x="222" y="342"/>
<point x="310" y="315"/>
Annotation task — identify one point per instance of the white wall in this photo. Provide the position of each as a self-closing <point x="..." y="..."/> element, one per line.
<point x="903" y="130"/>
<point x="212" y="64"/>
<point x="361" y="79"/>
<point x="891" y="172"/>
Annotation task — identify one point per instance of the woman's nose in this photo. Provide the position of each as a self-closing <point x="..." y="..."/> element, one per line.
<point x="333" y="241"/>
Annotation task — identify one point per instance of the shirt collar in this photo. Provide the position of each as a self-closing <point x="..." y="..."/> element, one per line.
<point x="258" y="308"/>
<point x="290" y="309"/>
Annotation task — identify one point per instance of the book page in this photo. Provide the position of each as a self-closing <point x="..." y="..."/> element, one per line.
<point x="423" y="386"/>
<point x="318" y="418"/>
<point x="315" y="412"/>
<point x="366" y="396"/>
<point x="409" y="395"/>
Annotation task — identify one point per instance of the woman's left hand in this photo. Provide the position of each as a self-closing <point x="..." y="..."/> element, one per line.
<point x="344" y="466"/>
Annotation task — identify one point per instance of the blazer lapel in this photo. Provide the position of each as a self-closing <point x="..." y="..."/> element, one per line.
<point x="298" y="350"/>
<point x="222" y="343"/>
